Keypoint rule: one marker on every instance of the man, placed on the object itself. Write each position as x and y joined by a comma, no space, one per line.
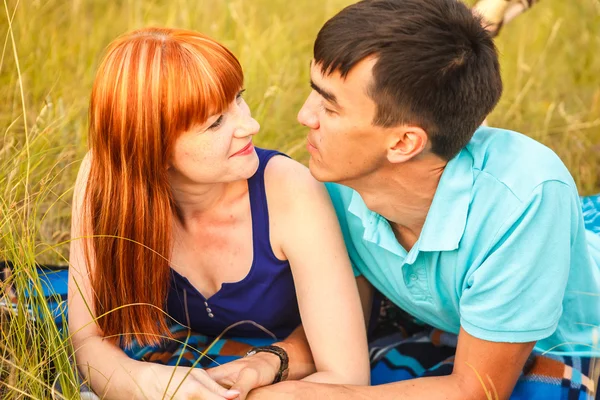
474,231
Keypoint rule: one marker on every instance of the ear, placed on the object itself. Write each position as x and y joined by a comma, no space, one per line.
169,165
406,142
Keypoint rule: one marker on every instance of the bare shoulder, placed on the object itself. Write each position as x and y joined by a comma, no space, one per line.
299,206
84,171
288,179
80,186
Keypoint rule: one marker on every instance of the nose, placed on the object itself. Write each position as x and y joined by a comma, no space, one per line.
248,126
307,115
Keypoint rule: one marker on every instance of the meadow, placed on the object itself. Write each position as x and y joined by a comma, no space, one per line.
49,53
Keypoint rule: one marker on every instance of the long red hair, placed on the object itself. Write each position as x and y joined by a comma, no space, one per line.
152,85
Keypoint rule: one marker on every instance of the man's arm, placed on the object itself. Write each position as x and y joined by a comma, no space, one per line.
481,368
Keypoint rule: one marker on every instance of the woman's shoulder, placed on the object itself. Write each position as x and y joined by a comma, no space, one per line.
83,174
289,183
286,172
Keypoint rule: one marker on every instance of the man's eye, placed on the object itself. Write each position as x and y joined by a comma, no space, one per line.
217,123
328,111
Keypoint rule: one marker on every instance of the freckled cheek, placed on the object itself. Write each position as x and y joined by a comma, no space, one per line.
186,152
208,150
190,158
194,156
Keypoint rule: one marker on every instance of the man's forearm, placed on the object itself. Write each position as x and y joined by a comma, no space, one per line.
443,387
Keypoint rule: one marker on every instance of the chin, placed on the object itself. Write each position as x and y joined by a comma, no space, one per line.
250,167
319,173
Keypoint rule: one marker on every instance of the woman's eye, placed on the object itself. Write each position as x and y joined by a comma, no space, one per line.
217,123
239,95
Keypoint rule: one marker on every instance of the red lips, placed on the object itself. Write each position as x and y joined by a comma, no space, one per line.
248,149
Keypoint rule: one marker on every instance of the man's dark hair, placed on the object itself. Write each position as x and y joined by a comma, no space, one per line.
436,66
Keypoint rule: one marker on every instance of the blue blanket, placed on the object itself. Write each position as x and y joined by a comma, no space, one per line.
405,351
591,212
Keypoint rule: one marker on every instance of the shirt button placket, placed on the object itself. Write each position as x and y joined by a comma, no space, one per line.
208,310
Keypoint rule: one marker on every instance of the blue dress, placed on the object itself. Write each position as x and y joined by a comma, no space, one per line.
266,295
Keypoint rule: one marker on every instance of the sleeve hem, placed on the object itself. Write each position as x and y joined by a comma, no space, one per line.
508,336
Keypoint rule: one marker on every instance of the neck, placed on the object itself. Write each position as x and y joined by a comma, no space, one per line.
195,201
403,193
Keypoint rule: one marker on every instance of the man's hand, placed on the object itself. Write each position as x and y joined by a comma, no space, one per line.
247,373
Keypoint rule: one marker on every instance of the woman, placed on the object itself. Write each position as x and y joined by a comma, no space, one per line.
189,219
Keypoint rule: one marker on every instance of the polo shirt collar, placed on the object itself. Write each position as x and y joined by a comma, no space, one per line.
376,229
445,222
447,217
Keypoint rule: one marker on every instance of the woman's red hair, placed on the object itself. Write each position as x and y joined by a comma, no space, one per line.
152,85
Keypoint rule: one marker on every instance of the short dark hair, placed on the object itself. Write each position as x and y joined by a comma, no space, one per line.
436,67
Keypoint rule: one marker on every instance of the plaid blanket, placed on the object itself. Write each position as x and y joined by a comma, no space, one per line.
53,283
591,212
394,357
194,350
400,347
431,353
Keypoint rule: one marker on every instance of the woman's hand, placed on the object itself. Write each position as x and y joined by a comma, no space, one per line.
248,373
155,381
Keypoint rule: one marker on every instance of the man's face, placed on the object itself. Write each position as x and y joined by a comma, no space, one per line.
343,144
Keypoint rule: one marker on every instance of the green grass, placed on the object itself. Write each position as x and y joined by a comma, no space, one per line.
550,65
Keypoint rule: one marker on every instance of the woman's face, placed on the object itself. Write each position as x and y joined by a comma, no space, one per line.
220,150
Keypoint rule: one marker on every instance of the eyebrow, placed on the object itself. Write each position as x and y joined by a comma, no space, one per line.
330,97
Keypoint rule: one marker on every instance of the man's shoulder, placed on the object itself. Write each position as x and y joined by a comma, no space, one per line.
515,161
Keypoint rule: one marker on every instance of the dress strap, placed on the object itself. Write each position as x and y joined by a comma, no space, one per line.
259,207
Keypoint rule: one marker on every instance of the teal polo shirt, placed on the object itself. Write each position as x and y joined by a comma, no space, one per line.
503,253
